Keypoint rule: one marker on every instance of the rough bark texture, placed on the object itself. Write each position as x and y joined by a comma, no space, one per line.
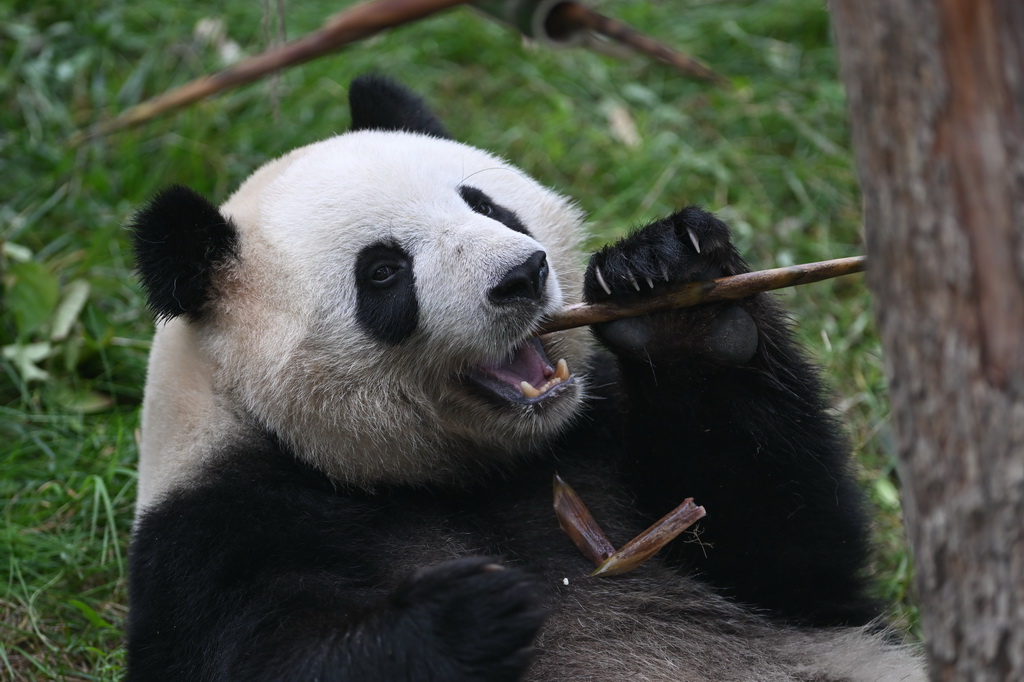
936,96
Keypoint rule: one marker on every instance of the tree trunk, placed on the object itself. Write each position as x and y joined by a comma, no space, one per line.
936,97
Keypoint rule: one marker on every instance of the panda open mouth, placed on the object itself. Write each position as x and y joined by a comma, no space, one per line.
525,377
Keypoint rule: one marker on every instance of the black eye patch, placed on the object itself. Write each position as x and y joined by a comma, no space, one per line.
484,205
386,304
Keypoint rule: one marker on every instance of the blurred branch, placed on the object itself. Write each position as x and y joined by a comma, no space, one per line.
573,14
552,22
355,23
559,23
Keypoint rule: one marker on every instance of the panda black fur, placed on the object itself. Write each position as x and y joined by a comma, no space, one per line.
341,480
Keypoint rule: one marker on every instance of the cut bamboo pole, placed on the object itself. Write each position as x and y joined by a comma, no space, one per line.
708,291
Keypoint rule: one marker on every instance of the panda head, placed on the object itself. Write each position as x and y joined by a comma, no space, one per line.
369,301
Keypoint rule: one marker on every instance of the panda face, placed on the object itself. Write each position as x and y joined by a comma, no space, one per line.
379,318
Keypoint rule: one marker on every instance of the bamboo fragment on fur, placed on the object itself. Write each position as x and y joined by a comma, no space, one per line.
641,548
576,521
579,524
708,291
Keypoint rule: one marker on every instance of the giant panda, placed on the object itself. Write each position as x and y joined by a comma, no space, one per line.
350,429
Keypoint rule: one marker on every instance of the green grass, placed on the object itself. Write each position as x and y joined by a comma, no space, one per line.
771,156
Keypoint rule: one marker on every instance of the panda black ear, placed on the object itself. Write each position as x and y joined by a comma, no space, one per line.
379,103
179,239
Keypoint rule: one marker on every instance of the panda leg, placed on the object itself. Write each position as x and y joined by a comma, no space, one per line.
722,406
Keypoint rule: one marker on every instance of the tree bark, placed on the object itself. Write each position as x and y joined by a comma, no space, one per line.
936,98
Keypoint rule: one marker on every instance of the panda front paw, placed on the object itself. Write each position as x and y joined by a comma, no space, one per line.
480,618
689,245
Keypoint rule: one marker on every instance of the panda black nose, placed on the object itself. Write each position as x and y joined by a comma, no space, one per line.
524,282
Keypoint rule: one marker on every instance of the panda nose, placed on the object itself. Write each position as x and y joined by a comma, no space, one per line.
524,282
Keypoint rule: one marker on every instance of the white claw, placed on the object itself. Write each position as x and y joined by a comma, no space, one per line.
693,239
664,272
632,279
600,280
650,282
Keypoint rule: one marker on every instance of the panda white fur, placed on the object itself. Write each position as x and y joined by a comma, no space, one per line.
343,478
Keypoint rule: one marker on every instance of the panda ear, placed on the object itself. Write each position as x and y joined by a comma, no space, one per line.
180,239
379,103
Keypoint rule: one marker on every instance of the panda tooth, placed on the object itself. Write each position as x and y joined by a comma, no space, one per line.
562,370
528,390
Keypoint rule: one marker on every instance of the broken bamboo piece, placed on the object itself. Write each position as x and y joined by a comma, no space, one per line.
577,522
645,545
707,291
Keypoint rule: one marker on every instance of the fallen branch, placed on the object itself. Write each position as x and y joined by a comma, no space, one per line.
708,291
575,519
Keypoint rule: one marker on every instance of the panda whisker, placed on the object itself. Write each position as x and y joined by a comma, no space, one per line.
502,169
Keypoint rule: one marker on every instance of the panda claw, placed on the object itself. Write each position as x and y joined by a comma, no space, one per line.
664,272
650,282
693,239
600,280
632,280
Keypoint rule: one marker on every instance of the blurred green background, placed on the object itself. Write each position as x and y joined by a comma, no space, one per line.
629,138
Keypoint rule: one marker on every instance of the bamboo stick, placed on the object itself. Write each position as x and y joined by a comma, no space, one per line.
708,291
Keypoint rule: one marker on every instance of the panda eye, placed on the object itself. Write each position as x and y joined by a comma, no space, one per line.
478,201
382,274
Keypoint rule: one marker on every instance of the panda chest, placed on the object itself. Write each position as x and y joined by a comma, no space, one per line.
514,523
